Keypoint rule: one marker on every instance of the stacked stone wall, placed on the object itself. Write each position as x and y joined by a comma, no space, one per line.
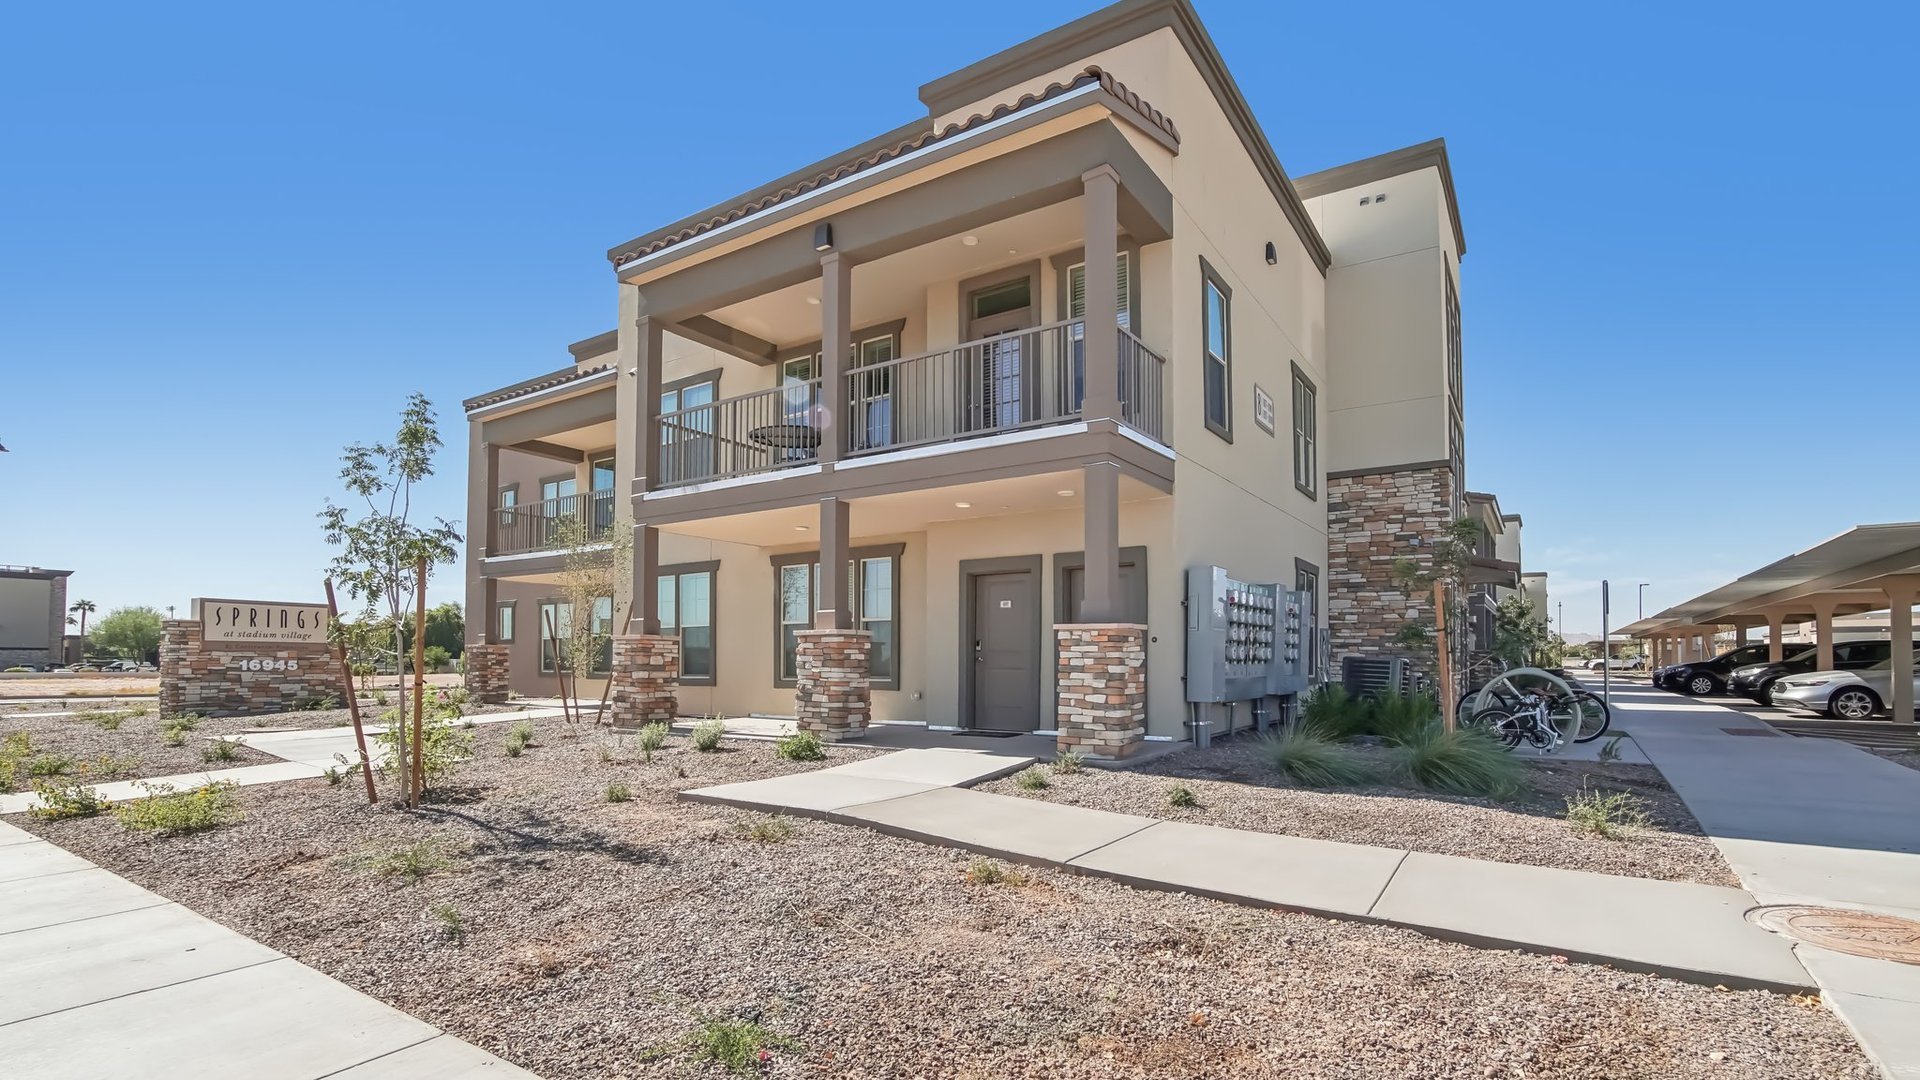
1373,521
242,679
646,680
833,695
1101,682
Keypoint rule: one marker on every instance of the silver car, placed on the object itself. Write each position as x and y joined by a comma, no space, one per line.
1843,695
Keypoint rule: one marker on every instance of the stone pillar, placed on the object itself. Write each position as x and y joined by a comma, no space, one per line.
832,696
646,680
487,673
1101,683
179,642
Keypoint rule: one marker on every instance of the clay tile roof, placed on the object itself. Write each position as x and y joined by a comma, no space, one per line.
535,385
1092,74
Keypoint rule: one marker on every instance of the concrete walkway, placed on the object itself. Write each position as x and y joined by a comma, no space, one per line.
1694,932
105,979
1803,821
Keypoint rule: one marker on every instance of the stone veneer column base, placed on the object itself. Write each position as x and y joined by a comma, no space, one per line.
1101,682
832,696
488,675
646,680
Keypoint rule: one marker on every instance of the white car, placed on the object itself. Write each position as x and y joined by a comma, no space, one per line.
1615,663
1843,695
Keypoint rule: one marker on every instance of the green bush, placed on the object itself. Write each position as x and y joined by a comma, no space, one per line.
1032,778
443,746
515,745
1401,718
45,765
801,746
652,737
109,721
1608,815
771,830
437,657
708,733
617,792
335,775
984,871
1181,797
523,730
1466,761
169,812
173,736
413,862
220,750
66,798
183,721
450,922
1333,711
1308,757
1068,762
736,1045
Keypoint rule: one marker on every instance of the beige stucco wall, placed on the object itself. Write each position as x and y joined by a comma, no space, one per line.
27,620
1535,588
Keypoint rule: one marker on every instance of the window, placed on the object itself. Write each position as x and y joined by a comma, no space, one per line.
1306,435
509,498
873,393
503,622
1306,579
873,595
686,611
556,622
558,487
1216,354
1077,291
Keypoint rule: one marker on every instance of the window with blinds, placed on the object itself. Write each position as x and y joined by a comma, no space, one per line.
1077,291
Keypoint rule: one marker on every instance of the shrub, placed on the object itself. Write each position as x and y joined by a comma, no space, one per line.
169,812
619,792
652,737
456,695
522,730
67,798
335,775
417,860
443,746
1181,797
1465,761
451,925
1307,756
50,765
220,750
1031,778
320,704
184,721
437,657
1608,815
173,736
109,721
515,744
1068,762
739,1046
708,733
1610,750
379,696
984,871
771,830
1335,712
1401,718
801,746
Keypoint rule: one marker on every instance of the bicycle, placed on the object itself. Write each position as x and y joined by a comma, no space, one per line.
1577,713
1532,721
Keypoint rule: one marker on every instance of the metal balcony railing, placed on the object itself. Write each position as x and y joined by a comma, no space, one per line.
542,526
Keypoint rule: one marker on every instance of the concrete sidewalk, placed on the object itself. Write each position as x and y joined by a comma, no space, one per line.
1694,932
106,979
1803,821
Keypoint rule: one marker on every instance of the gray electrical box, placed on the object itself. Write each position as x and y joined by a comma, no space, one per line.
1245,639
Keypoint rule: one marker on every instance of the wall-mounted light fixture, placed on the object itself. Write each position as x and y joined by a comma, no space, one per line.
823,237
1273,255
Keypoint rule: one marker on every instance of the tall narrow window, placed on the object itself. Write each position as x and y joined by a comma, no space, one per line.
686,611
556,623
1216,312
503,622
1306,431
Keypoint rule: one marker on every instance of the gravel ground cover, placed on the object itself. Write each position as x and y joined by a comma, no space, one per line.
134,749
1234,787
1909,758
79,685
586,938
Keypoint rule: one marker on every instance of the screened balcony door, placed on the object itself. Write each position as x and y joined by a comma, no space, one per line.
996,389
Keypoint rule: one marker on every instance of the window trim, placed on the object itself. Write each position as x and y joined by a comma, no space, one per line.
1209,277
513,630
540,640
1311,489
893,328
712,569
895,552
1063,264
1311,646
559,478
677,385
1136,593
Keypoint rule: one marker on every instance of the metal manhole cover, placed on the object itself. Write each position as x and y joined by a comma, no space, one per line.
1856,933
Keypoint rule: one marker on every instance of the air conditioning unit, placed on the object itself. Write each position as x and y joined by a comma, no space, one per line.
1367,675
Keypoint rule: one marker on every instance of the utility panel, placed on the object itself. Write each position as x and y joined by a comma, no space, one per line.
1245,639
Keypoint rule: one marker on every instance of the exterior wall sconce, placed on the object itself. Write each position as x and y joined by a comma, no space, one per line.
1273,256
823,237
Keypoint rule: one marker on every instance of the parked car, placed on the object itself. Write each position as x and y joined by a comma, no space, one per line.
1843,695
1757,680
1703,677
1616,663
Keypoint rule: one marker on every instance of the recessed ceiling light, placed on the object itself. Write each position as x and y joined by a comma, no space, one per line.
1064,493
964,506
799,528
969,240
814,300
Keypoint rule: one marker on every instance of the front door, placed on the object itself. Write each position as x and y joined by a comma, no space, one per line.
997,391
1006,663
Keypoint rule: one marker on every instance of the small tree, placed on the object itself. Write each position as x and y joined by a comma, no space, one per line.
82,608
380,549
595,559
130,632
1446,562
1522,640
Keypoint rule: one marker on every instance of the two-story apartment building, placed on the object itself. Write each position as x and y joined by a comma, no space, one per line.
936,429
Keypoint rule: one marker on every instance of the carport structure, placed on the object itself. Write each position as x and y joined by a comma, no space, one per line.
1866,568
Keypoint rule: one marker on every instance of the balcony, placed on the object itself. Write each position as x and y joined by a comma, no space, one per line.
544,525
1010,382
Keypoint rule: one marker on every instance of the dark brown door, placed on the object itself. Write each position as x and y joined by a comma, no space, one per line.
1006,659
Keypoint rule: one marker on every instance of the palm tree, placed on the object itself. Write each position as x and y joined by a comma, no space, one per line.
85,608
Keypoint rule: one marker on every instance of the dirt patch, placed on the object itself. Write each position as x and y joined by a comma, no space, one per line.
593,936
1233,786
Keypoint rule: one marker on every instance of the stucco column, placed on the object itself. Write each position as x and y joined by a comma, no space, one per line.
1901,594
1100,216
1739,634
1102,602
832,612
836,352
1823,630
1776,625
643,593
647,360
483,479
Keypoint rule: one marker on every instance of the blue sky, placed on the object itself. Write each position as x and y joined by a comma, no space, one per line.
234,237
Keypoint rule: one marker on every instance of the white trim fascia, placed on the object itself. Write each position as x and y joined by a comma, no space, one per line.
573,384
1149,442
543,554
733,482
915,453
864,176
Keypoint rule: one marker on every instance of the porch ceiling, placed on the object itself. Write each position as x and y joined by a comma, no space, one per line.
895,285
910,511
